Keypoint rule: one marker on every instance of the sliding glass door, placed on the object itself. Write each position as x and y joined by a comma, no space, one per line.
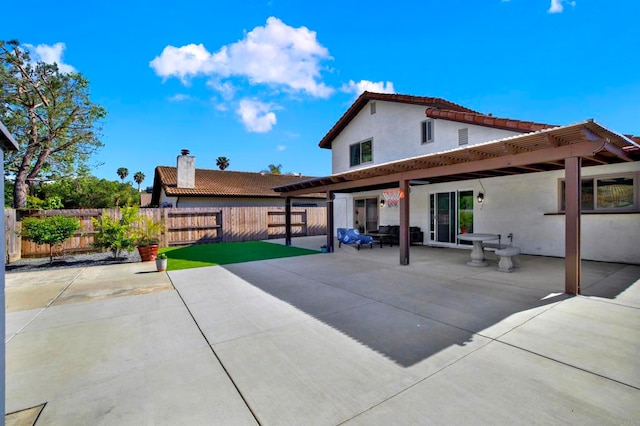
451,213
365,214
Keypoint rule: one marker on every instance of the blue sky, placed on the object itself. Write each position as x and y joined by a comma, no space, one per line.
262,82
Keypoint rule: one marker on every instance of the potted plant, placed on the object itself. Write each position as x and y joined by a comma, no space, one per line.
466,221
147,237
161,262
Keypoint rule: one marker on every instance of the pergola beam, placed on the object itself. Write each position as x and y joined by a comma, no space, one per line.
546,155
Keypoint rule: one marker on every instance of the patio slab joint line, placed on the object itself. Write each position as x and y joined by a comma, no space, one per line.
246,403
415,384
569,365
544,311
51,302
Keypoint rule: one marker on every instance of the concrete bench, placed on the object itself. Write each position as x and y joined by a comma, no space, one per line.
497,246
508,258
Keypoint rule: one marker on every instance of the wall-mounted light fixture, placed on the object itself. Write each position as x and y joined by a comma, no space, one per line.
480,197
382,203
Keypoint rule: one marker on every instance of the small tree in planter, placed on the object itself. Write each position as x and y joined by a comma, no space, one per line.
147,237
52,230
466,221
115,235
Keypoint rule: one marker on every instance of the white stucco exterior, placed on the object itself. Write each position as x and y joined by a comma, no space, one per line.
395,130
525,205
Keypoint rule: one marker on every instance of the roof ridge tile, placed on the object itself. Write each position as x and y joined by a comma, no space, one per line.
487,120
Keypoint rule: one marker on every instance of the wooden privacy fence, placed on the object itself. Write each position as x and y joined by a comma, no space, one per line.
182,226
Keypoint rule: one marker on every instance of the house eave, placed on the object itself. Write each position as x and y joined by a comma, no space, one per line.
540,151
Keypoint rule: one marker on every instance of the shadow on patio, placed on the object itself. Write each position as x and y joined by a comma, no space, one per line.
409,313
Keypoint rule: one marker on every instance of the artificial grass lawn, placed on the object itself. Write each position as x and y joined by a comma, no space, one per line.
198,256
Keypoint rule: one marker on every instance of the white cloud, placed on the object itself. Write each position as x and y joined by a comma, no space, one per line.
225,88
221,107
256,116
281,147
50,55
557,5
275,54
370,86
178,97
182,62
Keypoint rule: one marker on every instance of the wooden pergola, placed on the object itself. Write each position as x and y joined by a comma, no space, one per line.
567,147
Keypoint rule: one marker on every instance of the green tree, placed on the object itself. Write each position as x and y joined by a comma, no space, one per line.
52,230
273,169
222,162
89,192
123,172
139,178
8,193
49,203
50,115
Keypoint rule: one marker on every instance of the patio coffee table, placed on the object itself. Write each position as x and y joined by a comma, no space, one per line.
382,238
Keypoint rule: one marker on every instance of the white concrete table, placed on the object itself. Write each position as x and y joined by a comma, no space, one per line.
477,254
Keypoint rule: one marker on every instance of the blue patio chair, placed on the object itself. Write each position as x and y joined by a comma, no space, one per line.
352,236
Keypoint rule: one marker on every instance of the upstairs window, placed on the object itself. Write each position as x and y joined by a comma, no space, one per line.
606,193
426,131
360,153
463,136
372,107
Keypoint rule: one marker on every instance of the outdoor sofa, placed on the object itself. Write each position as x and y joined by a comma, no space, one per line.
416,236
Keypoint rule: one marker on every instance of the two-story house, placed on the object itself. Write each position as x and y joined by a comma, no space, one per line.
496,175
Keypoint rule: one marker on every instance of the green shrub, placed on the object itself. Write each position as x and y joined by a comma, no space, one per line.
52,230
116,235
147,231
49,203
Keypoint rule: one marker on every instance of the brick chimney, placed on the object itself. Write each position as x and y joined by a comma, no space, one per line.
186,170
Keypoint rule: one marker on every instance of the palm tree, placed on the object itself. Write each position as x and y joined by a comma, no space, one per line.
222,163
138,177
273,169
123,172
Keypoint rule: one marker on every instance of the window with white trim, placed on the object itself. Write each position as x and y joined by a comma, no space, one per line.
372,107
360,153
426,131
606,193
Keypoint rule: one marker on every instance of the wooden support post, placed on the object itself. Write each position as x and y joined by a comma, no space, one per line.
404,223
287,221
330,197
573,207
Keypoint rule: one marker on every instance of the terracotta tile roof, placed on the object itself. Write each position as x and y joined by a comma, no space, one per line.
218,183
487,120
636,139
365,97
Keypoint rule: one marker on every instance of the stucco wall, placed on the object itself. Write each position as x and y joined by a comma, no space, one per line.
527,206
396,132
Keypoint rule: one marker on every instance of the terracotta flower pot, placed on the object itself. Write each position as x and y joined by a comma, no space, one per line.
148,253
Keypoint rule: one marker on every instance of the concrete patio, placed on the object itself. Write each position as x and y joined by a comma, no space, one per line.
344,338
